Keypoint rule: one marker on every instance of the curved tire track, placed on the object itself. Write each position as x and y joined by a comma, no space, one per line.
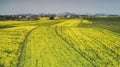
74,48
23,46
25,40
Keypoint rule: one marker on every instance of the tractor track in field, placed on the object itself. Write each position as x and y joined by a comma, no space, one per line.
25,40
74,48
106,47
23,46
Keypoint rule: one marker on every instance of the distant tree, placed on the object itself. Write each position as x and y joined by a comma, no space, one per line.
51,18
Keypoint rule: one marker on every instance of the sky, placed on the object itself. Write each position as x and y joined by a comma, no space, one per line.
8,7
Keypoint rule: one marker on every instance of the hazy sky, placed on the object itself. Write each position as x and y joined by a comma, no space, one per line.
59,6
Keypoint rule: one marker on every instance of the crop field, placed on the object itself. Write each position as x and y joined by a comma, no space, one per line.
109,23
10,40
59,43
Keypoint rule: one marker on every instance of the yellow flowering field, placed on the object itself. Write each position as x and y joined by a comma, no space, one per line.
57,43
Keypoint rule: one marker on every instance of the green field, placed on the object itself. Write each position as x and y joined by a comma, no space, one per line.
109,23
60,43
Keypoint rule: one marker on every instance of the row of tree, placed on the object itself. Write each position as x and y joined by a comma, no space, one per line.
18,17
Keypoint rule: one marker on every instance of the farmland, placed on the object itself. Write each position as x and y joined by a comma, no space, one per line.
59,43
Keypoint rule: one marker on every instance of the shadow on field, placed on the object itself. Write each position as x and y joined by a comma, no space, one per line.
6,26
86,25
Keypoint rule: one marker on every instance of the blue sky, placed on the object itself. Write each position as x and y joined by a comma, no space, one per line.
59,6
